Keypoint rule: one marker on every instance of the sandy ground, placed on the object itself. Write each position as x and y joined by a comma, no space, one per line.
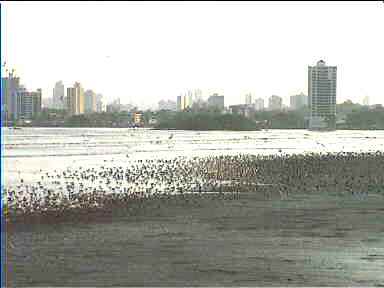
305,240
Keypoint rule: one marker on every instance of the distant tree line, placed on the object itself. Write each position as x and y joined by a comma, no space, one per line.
349,116
365,119
205,121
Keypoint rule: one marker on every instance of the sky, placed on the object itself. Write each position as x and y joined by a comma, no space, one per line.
142,52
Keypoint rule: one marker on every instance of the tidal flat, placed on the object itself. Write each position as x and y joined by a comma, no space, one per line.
331,239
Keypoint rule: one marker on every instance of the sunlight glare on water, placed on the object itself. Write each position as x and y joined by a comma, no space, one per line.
30,149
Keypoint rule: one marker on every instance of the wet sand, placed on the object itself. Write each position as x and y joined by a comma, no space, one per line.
320,239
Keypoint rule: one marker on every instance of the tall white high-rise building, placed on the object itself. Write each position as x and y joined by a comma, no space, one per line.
366,101
322,95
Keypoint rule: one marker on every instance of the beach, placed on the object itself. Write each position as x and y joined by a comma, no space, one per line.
289,227
307,240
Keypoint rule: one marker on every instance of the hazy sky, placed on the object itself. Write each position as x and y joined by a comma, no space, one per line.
146,51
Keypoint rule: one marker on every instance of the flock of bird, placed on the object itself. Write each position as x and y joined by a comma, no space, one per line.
107,185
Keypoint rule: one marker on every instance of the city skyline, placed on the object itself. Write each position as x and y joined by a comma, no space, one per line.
194,46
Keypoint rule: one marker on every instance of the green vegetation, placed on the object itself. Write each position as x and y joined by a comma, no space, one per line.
366,119
115,119
52,117
348,107
282,120
49,114
206,121
349,116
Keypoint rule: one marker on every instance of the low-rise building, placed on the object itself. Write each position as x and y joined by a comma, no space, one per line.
298,101
216,101
29,103
167,105
248,99
242,109
275,103
137,118
259,104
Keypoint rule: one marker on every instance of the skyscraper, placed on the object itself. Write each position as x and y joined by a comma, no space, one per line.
184,101
189,99
75,99
248,99
90,102
178,103
71,101
29,103
37,102
18,102
58,95
100,107
322,95
10,85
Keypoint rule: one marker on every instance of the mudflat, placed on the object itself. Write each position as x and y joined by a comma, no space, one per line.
329,238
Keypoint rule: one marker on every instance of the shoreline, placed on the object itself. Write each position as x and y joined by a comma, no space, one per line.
175,129
134,208
148,207
224,176
300,228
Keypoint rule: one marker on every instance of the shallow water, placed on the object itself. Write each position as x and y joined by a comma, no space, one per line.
303,240
30,149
